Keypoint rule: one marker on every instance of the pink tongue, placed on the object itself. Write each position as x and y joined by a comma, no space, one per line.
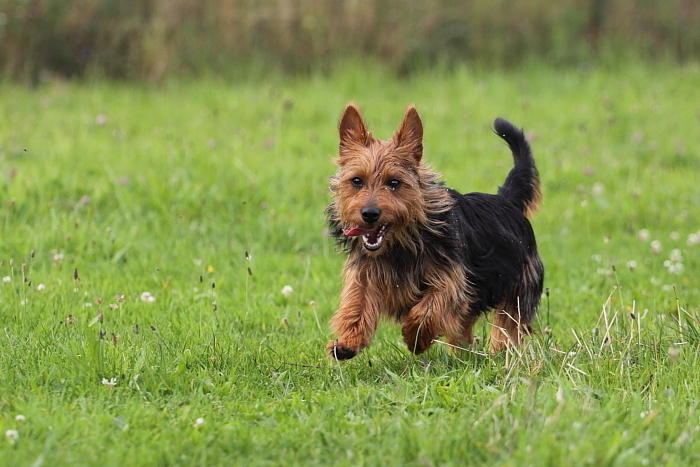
355,231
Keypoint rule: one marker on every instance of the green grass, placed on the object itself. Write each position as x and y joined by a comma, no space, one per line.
169,193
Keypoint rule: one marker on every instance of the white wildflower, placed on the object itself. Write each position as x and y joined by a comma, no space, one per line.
111,382
597,189
656,247
597,258
199,422
676,255
41,287
147,297
674,268
20,418
694,238
12,436
674,263
58,256
7,279
287,290
643,235
632,264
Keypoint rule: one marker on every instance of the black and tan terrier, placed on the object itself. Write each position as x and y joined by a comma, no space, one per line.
423,254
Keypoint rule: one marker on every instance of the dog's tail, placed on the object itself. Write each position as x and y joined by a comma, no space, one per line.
522,186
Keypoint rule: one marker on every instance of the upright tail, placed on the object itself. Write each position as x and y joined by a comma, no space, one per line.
522,185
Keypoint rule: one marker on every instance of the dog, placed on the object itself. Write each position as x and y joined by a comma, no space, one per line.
423,254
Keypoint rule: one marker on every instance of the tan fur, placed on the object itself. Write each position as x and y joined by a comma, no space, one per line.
372,290
376,161
533,205
439,311
429,302
466,338
508,329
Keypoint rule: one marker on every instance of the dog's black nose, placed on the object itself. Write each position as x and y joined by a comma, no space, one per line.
370,214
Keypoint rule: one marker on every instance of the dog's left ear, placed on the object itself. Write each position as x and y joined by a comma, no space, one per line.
409,137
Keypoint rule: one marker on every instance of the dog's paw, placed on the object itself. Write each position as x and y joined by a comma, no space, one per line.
416,347
417,341
338,352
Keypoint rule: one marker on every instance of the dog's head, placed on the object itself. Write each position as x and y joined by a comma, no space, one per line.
378,191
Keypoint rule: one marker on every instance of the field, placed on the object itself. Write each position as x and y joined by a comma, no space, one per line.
147,234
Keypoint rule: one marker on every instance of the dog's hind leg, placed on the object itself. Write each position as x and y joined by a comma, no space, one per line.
511,321
510,324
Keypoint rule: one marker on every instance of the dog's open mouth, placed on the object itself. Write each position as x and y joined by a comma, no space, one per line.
371,238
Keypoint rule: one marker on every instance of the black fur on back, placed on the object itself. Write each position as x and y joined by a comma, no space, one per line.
498,248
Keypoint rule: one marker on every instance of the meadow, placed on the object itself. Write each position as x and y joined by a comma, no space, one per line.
147,235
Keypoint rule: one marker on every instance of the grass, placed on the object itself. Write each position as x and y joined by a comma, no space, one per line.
209,196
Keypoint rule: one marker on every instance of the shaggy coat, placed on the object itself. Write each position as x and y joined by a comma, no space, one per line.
425,255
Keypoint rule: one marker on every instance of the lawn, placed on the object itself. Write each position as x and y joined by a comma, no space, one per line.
146,235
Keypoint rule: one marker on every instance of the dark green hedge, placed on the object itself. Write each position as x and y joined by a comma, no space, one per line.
152,39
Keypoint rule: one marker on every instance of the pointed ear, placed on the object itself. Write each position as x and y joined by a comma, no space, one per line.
352,129
409,137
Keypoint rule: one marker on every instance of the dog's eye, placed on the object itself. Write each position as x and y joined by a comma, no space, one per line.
356,182
393,183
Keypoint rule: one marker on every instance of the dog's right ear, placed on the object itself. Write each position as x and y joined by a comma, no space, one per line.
352,129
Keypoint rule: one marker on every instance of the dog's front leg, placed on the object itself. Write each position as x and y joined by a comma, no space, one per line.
422,324
355,321
437,314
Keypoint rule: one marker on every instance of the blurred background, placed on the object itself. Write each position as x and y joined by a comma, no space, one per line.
154,40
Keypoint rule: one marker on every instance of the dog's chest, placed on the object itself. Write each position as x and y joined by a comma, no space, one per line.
397,289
